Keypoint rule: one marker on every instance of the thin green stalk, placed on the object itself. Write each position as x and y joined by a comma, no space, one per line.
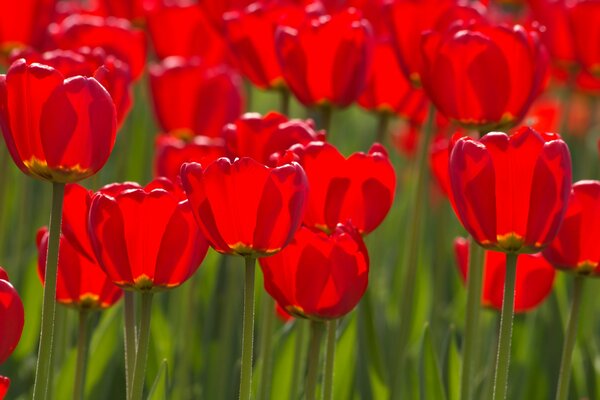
130,338
299,359
248,331
316,333
266,345
329,360
284,101
506,322
326,116
42,371
474,282
141,356
562,390
82,353
383,123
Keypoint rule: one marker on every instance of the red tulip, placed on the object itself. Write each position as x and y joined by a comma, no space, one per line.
244,207
182,29
251,35
283,315
511,192
11,317
557,34
81,282
326,60
584,16
258,137
535,277
133,10
215,9
193,97
4,384
483,76
359,189
57,129
115,35
145,238
23,23
173,151
319,276
575,248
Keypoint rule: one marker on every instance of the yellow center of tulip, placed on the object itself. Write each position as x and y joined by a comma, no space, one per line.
40,169
510,242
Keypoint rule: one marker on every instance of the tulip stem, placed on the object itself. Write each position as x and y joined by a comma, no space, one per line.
82,353
383,123
316,333
130,338
42,371
248,331
474,282
141,355
284,101
266,345
329,360
326,116
301,328
506,322
562,390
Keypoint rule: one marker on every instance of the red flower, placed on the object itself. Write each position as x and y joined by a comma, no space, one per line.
575,247
215,9
23,23
12,317
283,315
251,35
115,35
481,75
584,16
57,129
319,276
173,151
511,192
4,384
133,10
326,59
182,29
244,207
259,137
81,282
145,238
557,34
359,189
535,277
193,97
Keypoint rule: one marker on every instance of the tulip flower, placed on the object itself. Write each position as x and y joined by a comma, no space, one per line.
24,23
11,317
258,137
195,98
216,9
4,385
133,10
583,17
115,35
535,277
483,76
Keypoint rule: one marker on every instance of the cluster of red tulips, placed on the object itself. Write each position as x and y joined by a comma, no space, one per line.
273,188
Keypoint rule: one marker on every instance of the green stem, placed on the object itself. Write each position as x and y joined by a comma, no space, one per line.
301,327
329,360
284,101
474,282
82,353
248,331
130,338
316,333
562,389
326,116
506,322
42,371
383,123
141,356
266,345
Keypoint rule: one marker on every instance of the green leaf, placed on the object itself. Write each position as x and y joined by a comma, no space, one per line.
160,387
431,378
453,368
345,362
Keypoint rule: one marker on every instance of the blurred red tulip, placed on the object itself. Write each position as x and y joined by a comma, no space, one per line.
173,151
145,238
319,276
4,385
251,35
575,248
511,192
12,317
584,16
23,23
215,9
258,137
57,129
483,76
193,97
133,10
244,207
326,60
81,284
115,35
439,156
535,277
359,189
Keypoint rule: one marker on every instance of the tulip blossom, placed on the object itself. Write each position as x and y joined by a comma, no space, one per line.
483,76
319,276
11,317
511,192
584,16
258,137
244,207
24,23
535,277
326,59
195,98
56,128
4,385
